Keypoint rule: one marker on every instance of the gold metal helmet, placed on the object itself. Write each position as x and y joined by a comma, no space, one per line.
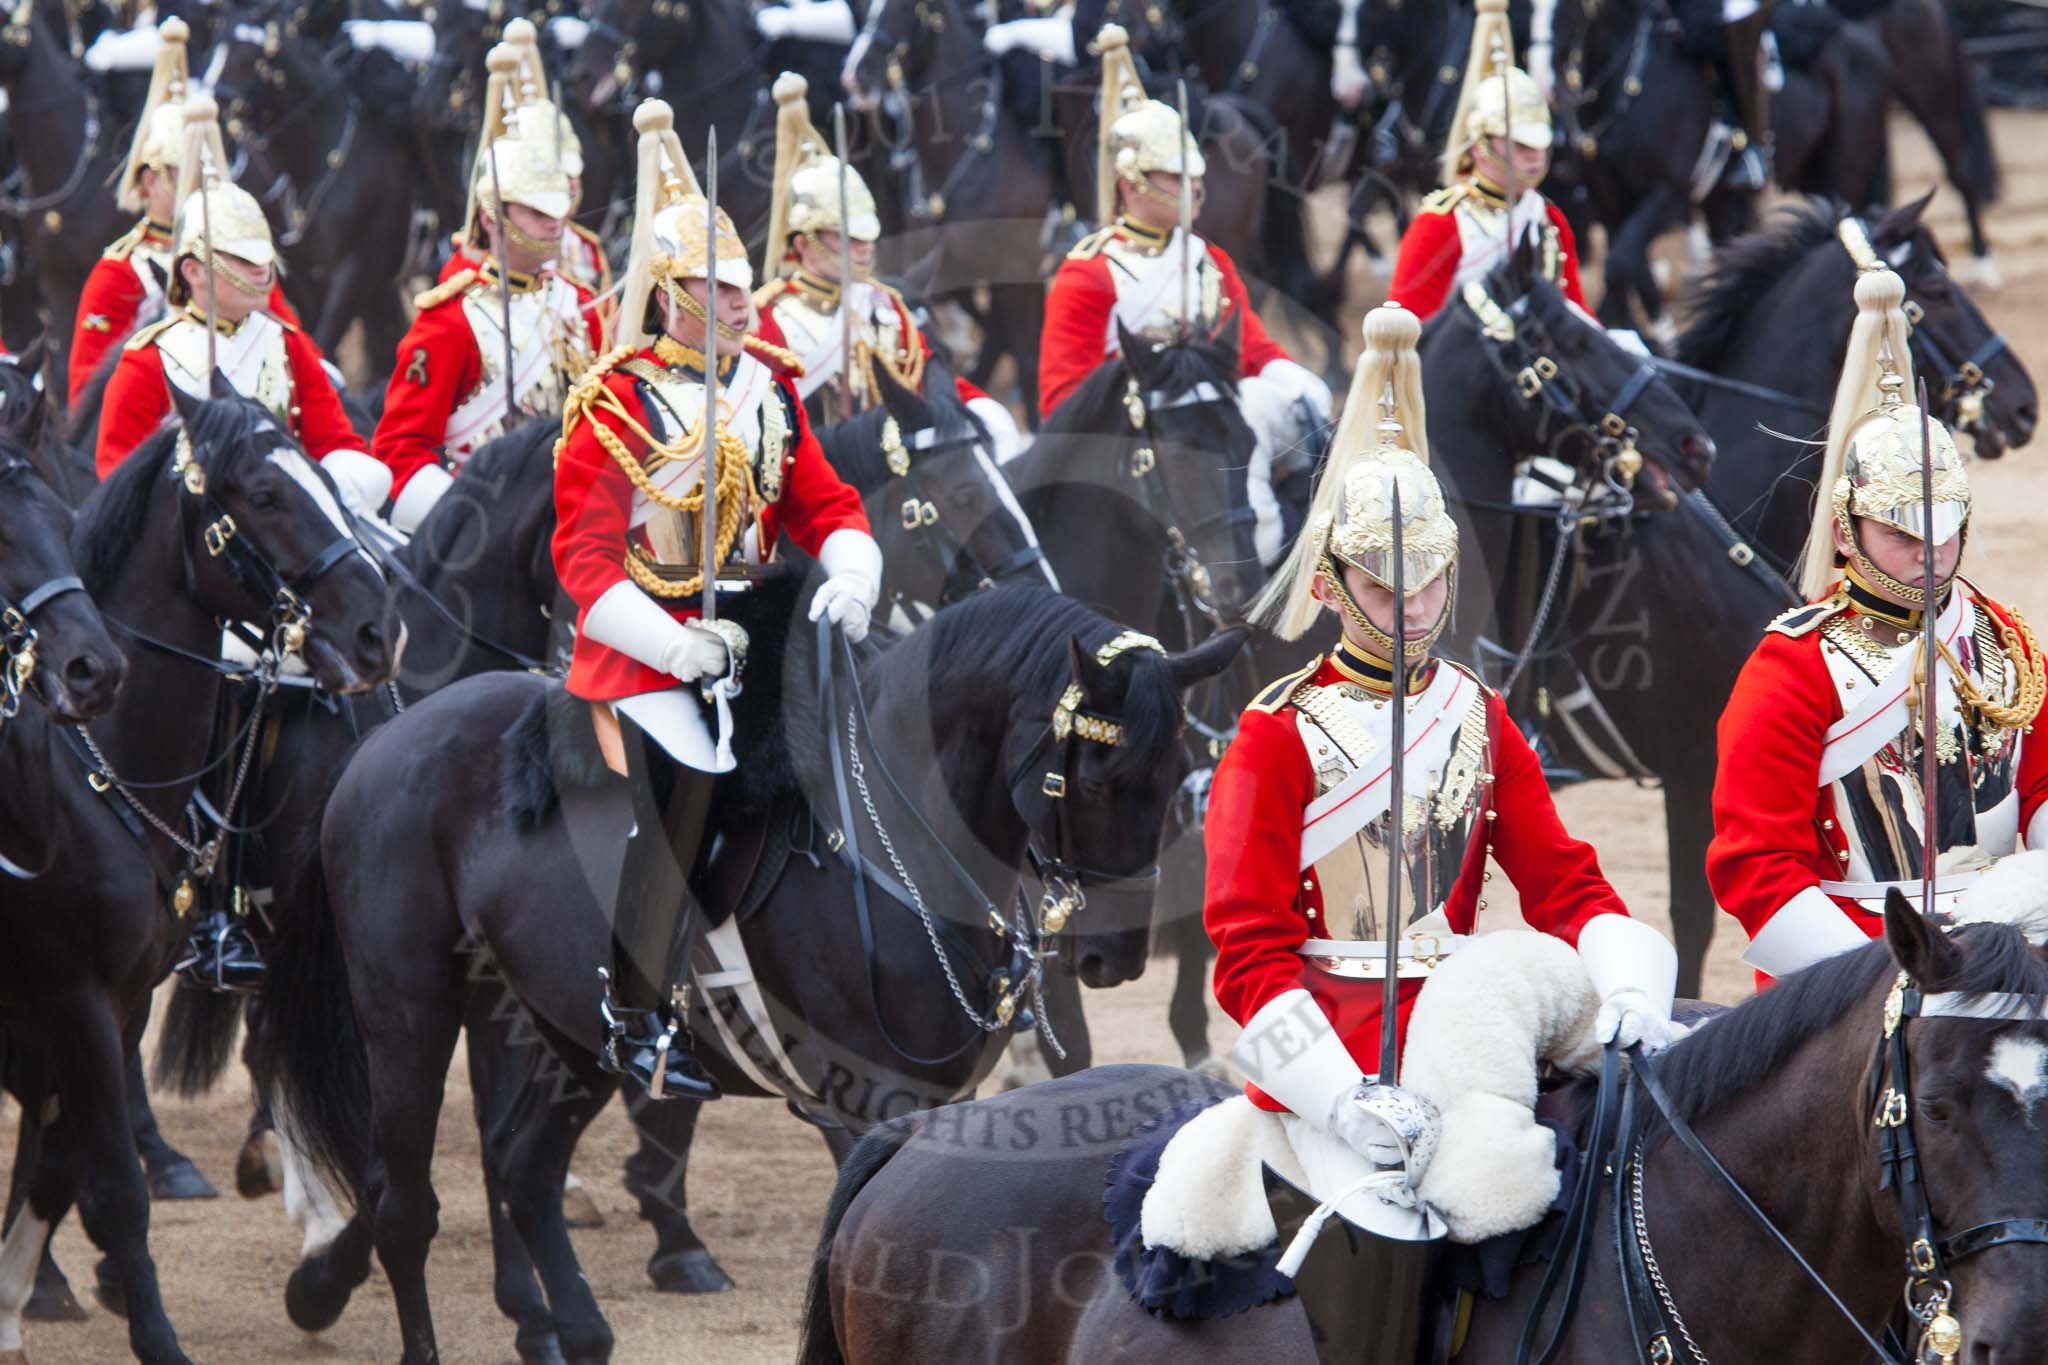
530,92
1135,135
1880,479
806,190
530,156
1498,98
680,250
160,130
1361,533
213,210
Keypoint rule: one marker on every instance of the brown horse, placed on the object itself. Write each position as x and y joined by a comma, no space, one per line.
976,1231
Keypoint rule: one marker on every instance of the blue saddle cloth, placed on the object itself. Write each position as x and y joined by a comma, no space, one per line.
1164,1281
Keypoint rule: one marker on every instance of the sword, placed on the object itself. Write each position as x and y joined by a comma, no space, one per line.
1187,219
504,274
707,517
1930,764
1397,838
212,280
1507,155
845,272
560,114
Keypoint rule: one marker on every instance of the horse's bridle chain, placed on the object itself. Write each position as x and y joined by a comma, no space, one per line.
1656,1272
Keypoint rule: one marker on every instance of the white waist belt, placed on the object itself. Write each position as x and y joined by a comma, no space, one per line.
1366,959
1871,895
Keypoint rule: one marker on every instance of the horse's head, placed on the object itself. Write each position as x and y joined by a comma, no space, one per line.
625,38
1976,381
1189,466
1578,395
892,49
26,45
450,92
265,542
1097,795
24,408
52,635
1970,1032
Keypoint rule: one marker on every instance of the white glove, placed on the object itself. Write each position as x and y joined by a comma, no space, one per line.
853,581
773,21
819,21
1348,82
1629,1017
1050,36
1006,442
1366,1133
1298,381
364,482
418,497
695,653
1634,971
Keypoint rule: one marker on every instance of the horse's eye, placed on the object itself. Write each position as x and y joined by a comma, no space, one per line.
1934,1111
263,500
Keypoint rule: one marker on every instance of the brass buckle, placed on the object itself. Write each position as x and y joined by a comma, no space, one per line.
1430,957
1914,313
99,781
1970,375
1660,1350
1742,554
1891,1110
918,513
1055,785
219,534
1921,1256
1535,375
14,621
1143,461
1614,425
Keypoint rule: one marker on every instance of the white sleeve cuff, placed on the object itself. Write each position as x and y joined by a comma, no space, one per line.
1298,381
850,553
1624,954
2037,829
1804,930
1003,436
1050,37
823,21
421,492
365,482
1289,1050
628,620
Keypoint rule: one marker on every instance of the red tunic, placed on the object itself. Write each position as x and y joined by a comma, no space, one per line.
438,368
594,506
139,396
1776,830
1077,313
1258,901
769,330
1426,266
112,298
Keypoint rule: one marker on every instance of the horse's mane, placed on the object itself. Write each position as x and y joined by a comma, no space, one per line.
1746,269
1736,1052
1179,366
1019,633
111,521
854,448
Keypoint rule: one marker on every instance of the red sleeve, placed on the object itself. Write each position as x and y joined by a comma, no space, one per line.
1771,735
323,426
593,319
279,306
137,398
1251,903
437,366
1426,264
594,505
815,501
1568,248
767,328
1070,345
1255,349
1558,877
106,315
2032,778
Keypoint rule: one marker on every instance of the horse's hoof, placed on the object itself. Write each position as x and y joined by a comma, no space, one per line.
52,1303
178,1178
259,1169
541,1350
579,1209
688,1272
310,1305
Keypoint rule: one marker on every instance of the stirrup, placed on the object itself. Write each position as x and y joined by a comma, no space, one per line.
221,956
654,1047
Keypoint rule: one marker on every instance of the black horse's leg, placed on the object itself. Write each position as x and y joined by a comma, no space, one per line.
52,1299
171,1173
1629,278
1020,312
46,1177
1188,1011
1688,827
410,1045
502,1108
86,1052
657,1175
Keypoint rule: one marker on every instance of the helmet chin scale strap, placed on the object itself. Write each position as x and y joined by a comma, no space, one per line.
687,301
1418,647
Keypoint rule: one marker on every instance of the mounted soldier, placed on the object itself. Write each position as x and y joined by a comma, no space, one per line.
639,519
821,223
1819,801
1147,273
126,286
1497,154
512,315
221,271
1297,899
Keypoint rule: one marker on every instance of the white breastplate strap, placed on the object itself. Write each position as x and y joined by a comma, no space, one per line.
1432,731
253,360
1148,288
542,332
1876,717
739,1015
1482,240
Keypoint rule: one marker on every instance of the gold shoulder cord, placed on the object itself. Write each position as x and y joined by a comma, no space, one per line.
907,369
2023,656
730,467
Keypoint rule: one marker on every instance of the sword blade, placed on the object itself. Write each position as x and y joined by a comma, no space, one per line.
1187,218
707,519
1930,763
845,271
504,217
1397,839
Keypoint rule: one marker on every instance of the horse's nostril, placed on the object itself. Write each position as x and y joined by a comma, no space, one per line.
370,639
82,671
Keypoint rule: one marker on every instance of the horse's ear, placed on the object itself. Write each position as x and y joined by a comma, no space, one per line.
219,387
187,405
1230,338
1917,944
1526,261
1208,658
1133,347
32,355
1087,672
1902,221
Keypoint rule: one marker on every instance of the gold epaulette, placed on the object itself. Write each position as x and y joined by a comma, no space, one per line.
124,245
146,336
1445,199
589,235
1280,691
1092,244
767,293
445,290
1807,617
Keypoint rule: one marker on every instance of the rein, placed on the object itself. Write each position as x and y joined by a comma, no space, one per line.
921,513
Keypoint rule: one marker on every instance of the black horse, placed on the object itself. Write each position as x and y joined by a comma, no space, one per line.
865,1023
938,1246
219,519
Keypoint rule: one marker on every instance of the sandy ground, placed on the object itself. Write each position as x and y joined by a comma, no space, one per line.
760,1179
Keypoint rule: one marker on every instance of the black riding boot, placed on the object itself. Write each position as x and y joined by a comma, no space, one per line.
220,952
655,923
1751,167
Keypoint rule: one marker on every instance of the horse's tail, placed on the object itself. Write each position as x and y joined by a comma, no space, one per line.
1976,171
307,1045
819,1344
197,1041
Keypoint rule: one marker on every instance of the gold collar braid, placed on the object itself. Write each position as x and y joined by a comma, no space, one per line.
730,464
